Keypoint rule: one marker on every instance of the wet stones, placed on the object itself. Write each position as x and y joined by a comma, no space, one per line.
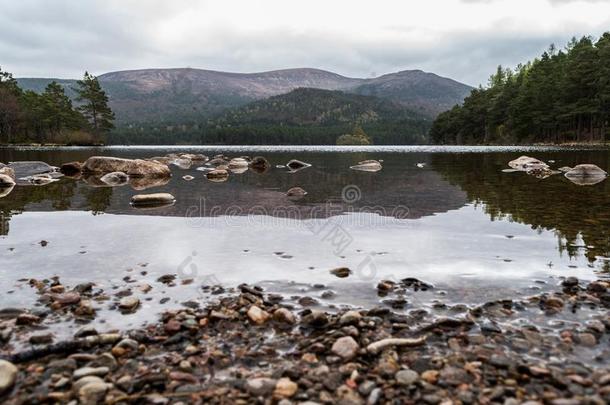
7,177
8,375
260,386
350,318
71,169
383,344
285,388
115,179
406,377
341,272
129,304
257,315
217,175
259,164
346,348
283,315
315,318
295,165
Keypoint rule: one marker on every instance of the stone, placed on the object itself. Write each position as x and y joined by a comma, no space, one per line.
587,339
586,170
296,193
7,177
406,377
285,388
217,175
430,376
526,163
259,164
71,168
93,393
154,199
68,298
131,167
8,375
129,303
341,272
315,319
257,315
346,348
260,386
570,282
31,168
284,315
296,165
350,318
367,166
188,177
115,179
238,163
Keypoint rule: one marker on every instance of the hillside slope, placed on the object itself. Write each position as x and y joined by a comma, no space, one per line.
192,95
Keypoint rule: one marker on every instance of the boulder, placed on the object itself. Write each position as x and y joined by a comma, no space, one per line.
7,177
259,164
217,175
367,166
182,163
31,168
71,168
527,163
296,165
238,163
115,179
155,199
196,157
131,167
586,175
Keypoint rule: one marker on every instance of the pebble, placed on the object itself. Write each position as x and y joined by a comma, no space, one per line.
8,375
284,315
88,371
257,315
341,272
285,388
406,377
260,386
346,348
350,318
129,303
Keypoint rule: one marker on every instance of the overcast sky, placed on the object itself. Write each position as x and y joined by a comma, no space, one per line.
461,39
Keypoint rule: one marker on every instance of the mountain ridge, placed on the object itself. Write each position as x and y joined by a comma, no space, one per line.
179,95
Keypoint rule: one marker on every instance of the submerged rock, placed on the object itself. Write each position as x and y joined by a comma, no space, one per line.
341,272
39,179
296,165
259,164
217,175
182,163
31,168
131,167
367,166
296,193
196,157
115,179
71,168
586,174
238,163
155,199
188,177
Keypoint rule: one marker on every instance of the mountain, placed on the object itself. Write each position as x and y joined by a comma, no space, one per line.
315,107
192,95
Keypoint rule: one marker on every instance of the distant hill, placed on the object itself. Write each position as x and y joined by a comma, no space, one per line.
192,95
315,107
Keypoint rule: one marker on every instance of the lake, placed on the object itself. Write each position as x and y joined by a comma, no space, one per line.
448,216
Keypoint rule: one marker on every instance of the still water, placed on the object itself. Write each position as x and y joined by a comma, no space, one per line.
447,216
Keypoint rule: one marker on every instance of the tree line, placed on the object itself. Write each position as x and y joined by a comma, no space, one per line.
51,117
562,96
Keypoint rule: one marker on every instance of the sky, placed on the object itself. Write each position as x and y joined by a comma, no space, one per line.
462,39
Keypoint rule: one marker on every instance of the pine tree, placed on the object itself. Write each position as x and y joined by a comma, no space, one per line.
95,104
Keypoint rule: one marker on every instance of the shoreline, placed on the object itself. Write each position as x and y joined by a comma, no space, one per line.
247,346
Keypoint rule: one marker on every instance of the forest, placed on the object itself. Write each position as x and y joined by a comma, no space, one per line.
561,97
50,117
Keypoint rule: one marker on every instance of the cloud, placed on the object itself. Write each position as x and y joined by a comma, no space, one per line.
462,39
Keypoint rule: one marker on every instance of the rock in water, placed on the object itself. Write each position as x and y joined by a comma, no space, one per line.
524,163
341,272
182,163
156,199
132,167
367,166
71,168
259,164
237,163
296,165
296,193
7,176
8,375
586,174
115,179
129,303
217,175
25,169
257,315
188,177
